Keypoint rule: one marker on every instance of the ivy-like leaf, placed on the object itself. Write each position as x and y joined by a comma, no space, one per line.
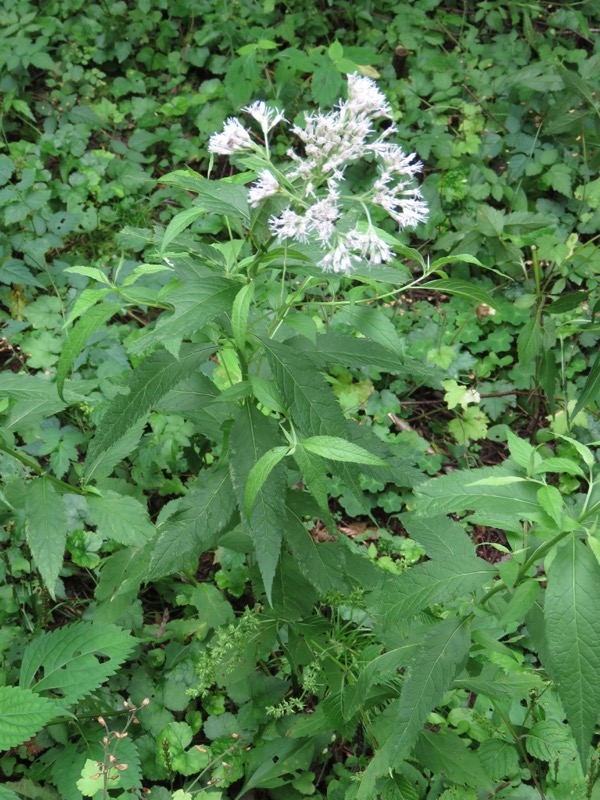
202,514
22,714
572,631
46,529
148,384
73,661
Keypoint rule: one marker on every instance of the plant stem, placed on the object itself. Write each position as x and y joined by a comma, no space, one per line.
37,468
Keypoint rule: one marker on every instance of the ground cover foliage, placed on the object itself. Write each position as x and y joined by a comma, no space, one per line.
271,532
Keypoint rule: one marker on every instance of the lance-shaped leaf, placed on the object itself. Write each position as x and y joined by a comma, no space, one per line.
148,384
462,491
462,288
425,584
46,529
22,714
572,631
591,388
260,485
200,298
337,449
74,660
120,518
439,536
311,402
178,224
78,336
259,474
202,514
239,314
430,673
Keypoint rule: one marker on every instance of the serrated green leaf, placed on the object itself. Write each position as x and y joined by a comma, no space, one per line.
550,499
314,477
202,514
461,288
336,449
499,758
89,272
253,436
200,298
439,536
351,351
555,464
143,269
425,584
267,394
67,661
22,714
87,299
46,529
217,197
103,464
447,754
313,406
373,324
82,330
529,342
148,384
6,794
239,314
317,562
522,452
549,740
460,491
178,224
572,631
259,474
430,673
591,388
120,518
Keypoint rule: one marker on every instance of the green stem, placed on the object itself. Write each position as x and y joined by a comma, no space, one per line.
31,464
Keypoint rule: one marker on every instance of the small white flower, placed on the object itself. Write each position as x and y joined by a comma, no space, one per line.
232,139
338,259
405,206
289,225
265,186
322,216
370,246
364,97
266,117
395,159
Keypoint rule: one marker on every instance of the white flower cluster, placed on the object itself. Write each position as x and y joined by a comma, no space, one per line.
313,185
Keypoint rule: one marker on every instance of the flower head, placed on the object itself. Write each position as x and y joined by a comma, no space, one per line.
364,97
234,138
265,186
266,117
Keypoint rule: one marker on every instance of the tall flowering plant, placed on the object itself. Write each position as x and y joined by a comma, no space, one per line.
252,329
